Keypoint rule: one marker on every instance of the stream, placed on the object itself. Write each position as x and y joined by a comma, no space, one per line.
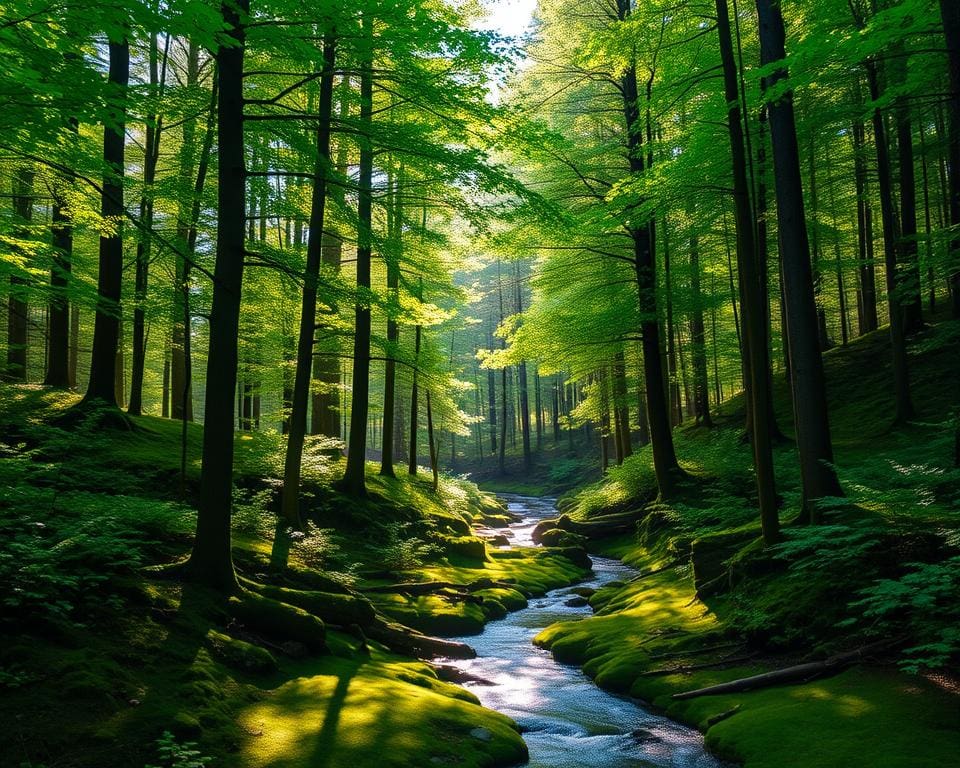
566,720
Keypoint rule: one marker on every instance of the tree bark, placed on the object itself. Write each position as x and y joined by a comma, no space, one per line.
151,153
300,400
806,364
950,13
211,560
903,405
395,215
353,479
17,308
751,300
106,332
665,463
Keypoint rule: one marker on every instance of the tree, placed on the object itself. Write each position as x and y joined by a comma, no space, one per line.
814,445
103,363
211,560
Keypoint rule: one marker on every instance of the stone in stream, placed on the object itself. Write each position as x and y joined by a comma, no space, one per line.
576,602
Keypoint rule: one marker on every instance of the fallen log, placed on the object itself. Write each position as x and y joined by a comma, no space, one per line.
429,587
804,672
412,643
681,668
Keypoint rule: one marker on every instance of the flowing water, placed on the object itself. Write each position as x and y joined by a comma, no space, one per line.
566,720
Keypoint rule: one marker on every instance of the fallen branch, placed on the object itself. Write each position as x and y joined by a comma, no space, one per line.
655,571
804,672
694,667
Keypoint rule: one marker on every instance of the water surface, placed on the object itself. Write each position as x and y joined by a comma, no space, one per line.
566,720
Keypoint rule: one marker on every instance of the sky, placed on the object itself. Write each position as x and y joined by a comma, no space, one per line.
509,17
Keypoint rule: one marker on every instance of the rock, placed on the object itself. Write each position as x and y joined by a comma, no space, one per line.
294,649
576,602
482,734
499,540
644,736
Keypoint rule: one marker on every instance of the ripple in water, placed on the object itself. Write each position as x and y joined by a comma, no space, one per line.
566,720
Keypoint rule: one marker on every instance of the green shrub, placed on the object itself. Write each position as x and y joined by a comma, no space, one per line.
173,754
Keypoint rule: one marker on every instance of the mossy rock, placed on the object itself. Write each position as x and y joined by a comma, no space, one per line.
511,599
342,609
280,621
469,547
240,654
711,555
557,537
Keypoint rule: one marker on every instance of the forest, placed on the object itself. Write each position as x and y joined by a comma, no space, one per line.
480,383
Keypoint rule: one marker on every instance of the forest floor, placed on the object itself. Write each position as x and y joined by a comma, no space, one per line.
103,649
714,607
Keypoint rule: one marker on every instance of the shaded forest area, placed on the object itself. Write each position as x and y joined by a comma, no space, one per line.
291,290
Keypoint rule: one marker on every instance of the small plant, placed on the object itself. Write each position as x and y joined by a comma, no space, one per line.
173,754
402,552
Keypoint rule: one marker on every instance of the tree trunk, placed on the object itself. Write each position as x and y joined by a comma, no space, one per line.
867,296
58,360
903,408
151,153
395,214
181,398
211,559
353,479
701,385
909,266
522,386
414,406
17,309
665,463
751,299
106,332
950,13
433,445
806,365
300,400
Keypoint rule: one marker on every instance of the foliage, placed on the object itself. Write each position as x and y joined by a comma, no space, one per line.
921,602
176,754
402,551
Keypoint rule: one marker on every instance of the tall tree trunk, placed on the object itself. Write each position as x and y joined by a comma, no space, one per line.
151,154
909,267
867,294
17,309
806,365
620,405
395,215
492,398
325,400
538,407
181,399
555,407
522,386
300,400
505,397
903,405
211,560
701,385
58,360
665,463
950,13
414,405
433,446
353,479
106,331
751,298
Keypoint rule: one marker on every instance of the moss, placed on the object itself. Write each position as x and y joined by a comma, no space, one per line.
467,547
240,654
279,620
383,713
342,609
435,614
556,537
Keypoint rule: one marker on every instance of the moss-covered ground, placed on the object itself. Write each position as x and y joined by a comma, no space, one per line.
712,606
103,648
